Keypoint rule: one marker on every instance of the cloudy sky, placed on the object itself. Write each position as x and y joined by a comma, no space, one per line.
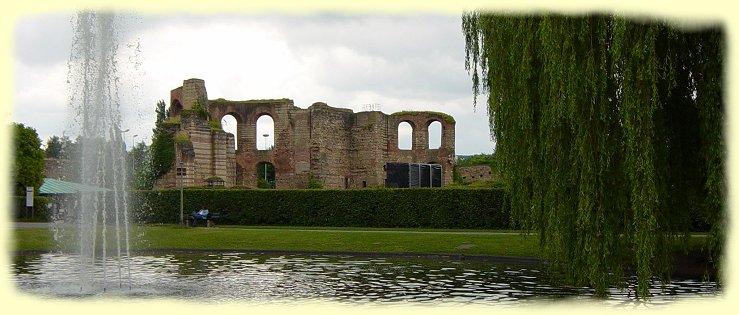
400,62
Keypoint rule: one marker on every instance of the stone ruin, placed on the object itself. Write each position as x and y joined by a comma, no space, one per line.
335,146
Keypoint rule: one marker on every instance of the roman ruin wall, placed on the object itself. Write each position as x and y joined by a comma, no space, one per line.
335,146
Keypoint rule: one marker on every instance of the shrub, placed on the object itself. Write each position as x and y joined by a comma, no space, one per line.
181,137
314,183
40,209
262,183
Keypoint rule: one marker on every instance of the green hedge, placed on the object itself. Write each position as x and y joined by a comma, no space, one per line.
40,211
419,207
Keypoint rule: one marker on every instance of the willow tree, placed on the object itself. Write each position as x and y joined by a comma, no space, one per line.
609,135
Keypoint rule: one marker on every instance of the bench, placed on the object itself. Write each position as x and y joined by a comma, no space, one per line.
209,221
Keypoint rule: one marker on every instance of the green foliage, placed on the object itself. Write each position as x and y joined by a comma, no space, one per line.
28,163
608,136
473,160
478,159
261,101
262,183
200,108
139,160
181,137
162,113
53,147
171,122
314,183
215,125
162,153
40,210
408,207
269,168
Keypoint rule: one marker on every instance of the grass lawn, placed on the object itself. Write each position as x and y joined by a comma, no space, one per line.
324,239
309,239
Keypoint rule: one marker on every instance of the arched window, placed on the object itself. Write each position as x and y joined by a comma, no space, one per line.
228,124
434,132
265,133
265,175
405,136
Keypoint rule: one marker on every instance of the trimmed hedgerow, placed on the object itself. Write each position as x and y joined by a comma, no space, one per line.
413,208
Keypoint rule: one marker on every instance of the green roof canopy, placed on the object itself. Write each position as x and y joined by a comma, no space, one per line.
54,187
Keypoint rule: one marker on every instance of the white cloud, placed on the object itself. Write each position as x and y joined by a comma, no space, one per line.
40,98
399,62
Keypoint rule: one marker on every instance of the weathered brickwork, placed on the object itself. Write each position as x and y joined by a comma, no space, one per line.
336,146
475,172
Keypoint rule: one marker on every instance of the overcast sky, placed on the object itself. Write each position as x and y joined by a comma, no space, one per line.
401,62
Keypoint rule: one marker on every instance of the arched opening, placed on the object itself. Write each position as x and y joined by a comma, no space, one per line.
405,136
228,124
265,175
175,109
265,132
434,135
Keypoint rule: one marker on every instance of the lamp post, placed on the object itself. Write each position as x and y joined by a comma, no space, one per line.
265,147
122,132
133,158
180,173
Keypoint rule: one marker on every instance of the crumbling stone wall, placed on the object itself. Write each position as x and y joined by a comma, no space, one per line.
336,146
475,172
205,153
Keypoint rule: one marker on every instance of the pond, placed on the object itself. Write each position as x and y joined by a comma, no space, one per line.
265,278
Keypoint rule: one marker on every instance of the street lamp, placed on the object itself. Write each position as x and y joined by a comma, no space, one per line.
265,147
133,158
180,173
122,132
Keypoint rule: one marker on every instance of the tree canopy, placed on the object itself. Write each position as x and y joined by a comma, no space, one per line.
62,147
28,165
161,152
139,161
609,136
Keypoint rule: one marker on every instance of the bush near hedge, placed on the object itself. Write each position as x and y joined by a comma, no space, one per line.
461,208
40,210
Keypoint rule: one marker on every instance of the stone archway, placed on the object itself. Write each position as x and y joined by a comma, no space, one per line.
175,109
230,124
265,131
406,130
434,134
266,176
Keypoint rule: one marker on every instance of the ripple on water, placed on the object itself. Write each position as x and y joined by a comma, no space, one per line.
254,277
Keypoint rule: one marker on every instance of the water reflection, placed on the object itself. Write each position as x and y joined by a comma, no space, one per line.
254,277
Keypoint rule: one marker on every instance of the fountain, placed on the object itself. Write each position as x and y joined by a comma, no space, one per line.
102,224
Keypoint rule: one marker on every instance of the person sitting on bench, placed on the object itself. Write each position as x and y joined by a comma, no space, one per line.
201,214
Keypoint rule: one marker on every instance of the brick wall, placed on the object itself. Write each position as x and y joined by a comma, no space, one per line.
475,172
338,147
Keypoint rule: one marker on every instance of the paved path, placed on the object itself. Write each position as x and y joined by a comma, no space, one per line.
30,225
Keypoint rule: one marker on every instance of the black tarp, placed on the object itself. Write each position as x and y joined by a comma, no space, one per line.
403,175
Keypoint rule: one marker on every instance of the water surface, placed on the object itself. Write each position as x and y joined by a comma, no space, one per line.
262,278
